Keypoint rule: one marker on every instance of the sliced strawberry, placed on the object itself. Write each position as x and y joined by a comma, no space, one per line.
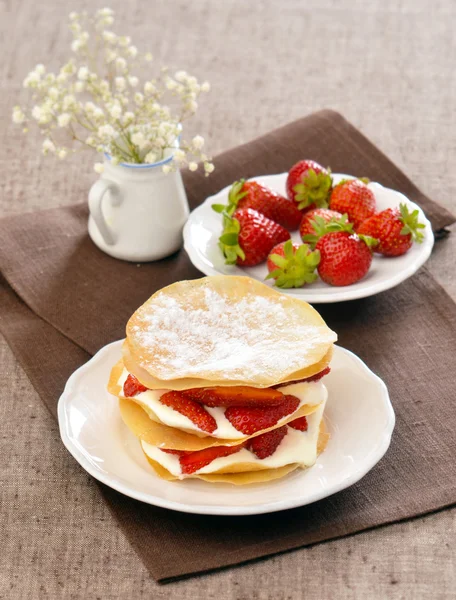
300,424
250,420
190,409
310,379
177,452
236,396
266,444
133,386
194,461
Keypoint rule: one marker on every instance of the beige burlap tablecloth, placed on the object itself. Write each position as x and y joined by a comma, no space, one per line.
70,564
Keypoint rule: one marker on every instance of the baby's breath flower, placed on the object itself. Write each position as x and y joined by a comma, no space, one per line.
124,40
121,84
109,36
106,131
64,119
179,155
150,158
76,45
198,142
129,118
18,115
98,167
121,63
36,112
83,73
205,87
115,111
139,99
48,146
138,139
110,56
166,169
149,88
53,93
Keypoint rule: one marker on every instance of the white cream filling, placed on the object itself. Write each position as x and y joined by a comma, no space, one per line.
296,447
308,393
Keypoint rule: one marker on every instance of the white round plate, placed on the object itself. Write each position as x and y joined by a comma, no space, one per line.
203,228
359,416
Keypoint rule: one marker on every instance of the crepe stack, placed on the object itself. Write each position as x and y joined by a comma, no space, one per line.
221,379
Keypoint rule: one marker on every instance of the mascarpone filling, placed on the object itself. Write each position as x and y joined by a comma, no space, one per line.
296,447
312,393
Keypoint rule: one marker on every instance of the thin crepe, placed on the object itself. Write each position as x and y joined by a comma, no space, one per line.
226,329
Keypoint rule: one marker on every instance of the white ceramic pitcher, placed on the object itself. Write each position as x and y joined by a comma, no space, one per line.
137,212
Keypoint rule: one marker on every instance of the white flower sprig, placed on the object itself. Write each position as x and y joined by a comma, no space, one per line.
98,101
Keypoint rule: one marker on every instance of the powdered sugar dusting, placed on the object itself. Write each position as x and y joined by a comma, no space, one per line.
239,339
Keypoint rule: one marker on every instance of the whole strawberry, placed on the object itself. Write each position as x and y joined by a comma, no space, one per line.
354,198
344,258
248,237
395,229
313,218
309,184
292,265
250,194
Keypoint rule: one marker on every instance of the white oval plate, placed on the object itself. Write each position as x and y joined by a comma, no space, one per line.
359,416
203,228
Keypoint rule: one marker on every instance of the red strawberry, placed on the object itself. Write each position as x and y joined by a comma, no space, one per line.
250,194
395,228
345,258
317,215
133,386
292,265
178,452
190,409
309,184
266,444
236,396
249,236
354,198
250,420
299,424
194,461
310,379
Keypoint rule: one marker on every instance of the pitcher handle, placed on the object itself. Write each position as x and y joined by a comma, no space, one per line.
96,195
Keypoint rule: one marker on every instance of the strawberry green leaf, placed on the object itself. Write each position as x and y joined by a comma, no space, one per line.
219,208
314,188
322,227
368,240
229,239
294,270
411,223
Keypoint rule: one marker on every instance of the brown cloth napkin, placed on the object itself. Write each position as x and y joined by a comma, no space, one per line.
62,299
